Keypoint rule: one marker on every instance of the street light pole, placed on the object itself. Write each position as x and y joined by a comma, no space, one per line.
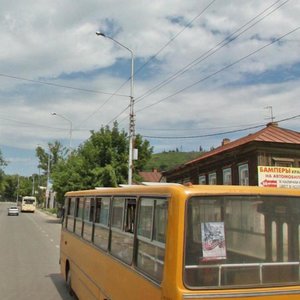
71,128
47,196
48,184
131,109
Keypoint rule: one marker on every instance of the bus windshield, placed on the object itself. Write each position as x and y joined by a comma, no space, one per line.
29,201
241,241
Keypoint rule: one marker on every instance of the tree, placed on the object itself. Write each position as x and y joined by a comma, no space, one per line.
100,161
56,152
20,185
144,153
3,163
69,175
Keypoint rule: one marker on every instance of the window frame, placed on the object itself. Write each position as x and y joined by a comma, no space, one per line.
243,168
221,266
119,233
202,179
225,172
105,228
151,244
212,178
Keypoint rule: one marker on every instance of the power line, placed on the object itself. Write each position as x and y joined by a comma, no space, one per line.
197,129
215,134
147,62
229,39
60,85
200,136
220,70
115,118
106,101
174,37
210,52
28,125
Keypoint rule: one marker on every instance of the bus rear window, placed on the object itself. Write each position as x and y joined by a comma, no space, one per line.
242,241
29,201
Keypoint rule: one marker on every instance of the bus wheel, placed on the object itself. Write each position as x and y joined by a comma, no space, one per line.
69,283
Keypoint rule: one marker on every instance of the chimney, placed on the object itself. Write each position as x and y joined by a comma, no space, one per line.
225,141
275,124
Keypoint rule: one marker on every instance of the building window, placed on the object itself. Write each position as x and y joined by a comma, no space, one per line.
227,176
212,178
283,162
186,180
202,179
243,174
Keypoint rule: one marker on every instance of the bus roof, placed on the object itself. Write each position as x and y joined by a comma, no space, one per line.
187,189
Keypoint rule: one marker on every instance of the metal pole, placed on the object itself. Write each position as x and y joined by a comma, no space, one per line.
131,109
71,128
131,124
48,181
33,191
18,186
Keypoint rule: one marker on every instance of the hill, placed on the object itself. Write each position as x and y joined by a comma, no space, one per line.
169,160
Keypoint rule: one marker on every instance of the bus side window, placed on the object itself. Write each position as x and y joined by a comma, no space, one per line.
67,211
122,228
160,221
79,215
130,215
92,210
151,228
70,221
101,229
88,216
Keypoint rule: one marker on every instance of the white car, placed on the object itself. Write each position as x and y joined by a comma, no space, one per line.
13,211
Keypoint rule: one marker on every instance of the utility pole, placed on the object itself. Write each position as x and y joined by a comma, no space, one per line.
131,108
33,191
18,186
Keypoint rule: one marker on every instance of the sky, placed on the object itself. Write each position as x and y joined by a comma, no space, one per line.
203,71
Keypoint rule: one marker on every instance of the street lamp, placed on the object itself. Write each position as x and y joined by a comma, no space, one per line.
48,184
71,128
131,106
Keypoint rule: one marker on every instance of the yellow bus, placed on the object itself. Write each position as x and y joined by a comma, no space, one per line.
28,204
176,242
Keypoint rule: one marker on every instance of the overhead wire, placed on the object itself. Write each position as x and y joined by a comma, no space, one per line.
60,85
29,124
104,103
150,59
208,53
216,134
174,37
229,39
220,70
139,98
115,118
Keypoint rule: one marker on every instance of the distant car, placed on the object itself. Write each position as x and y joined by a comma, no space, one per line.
13,211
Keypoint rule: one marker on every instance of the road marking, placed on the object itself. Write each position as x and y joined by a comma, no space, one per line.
42,230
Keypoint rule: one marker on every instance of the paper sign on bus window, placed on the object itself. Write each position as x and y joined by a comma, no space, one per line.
213,240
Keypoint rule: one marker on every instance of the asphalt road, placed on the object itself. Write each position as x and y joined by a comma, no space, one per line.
29,257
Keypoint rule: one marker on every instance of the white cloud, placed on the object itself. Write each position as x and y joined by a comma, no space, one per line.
55,42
